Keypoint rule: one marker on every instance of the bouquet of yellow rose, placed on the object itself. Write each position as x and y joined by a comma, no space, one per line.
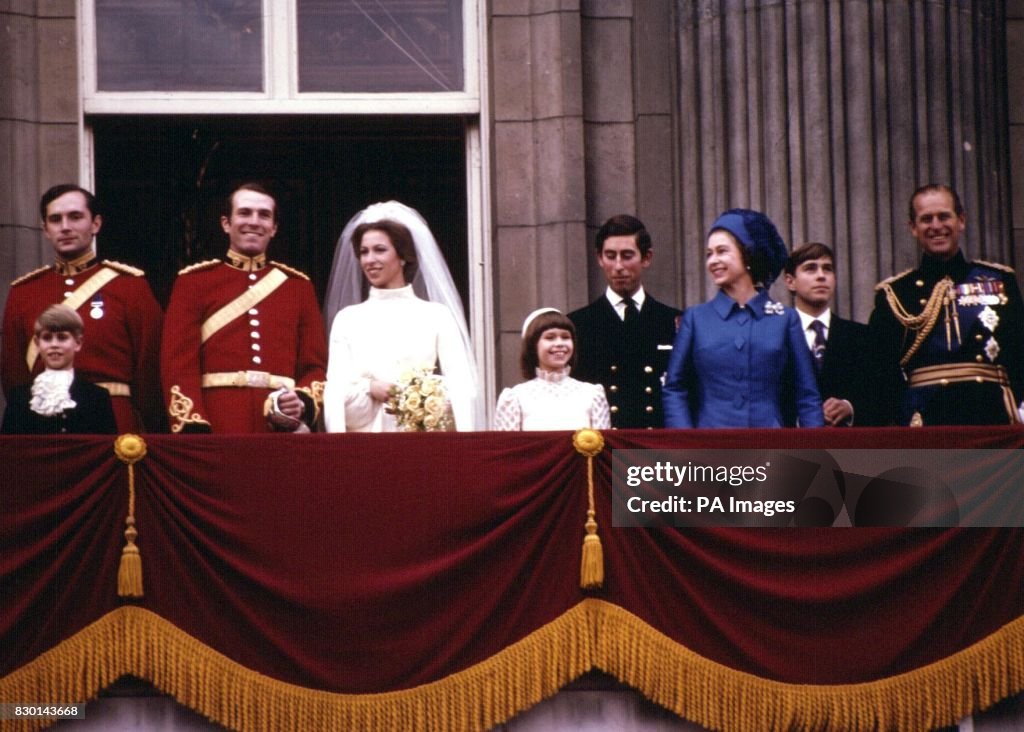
419,402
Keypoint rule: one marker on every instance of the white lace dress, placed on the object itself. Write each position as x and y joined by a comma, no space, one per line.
552,401
392,331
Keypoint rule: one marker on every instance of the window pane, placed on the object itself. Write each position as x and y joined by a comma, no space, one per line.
380,45
179,45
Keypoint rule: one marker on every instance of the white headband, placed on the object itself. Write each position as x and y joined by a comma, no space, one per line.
532,316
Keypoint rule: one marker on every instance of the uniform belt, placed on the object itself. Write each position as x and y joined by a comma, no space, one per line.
955,373
247,379
116,388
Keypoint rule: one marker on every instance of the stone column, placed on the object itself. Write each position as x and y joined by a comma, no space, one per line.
1015,97
827,115
538,165
629,101
38,124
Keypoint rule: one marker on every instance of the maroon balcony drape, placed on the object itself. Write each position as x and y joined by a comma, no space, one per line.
366,564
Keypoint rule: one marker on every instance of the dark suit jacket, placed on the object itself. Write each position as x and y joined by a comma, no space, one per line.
92,414
846,373
631,376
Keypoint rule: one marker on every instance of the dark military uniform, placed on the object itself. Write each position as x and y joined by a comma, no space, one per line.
949,339
630,373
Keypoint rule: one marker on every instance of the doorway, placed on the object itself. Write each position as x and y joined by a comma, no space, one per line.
162,180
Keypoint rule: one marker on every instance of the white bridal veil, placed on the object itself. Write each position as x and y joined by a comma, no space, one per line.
433,281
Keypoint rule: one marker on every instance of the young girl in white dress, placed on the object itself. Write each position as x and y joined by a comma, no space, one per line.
551,399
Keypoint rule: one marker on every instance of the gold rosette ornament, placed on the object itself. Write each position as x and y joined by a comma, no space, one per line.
130,449
590,442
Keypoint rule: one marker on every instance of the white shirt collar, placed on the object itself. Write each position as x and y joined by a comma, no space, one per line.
392,293
805,319
618,302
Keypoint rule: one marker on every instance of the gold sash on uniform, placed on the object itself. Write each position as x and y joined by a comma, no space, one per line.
242,303
74,301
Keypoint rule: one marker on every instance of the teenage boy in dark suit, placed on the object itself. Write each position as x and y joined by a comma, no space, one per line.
839,347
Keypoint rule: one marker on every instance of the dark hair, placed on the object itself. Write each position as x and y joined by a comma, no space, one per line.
400,238
624,225
229,202
57,318
55,192
958,207
806,252
528,361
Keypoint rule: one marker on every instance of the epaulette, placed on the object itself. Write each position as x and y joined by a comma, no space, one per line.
994,265
123,268
890,280
198,266
290,270
31,275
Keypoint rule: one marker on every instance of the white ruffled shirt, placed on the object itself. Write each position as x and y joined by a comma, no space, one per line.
51,392
389,333
552,401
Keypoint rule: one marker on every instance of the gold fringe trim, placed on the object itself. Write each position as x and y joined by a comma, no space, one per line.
592,634
722,698
131,640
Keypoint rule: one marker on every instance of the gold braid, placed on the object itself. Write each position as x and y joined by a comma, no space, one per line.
923,323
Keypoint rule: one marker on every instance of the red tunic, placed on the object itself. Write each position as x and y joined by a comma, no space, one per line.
283,334
121,342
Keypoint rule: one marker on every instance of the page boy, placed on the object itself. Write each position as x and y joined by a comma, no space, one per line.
56,402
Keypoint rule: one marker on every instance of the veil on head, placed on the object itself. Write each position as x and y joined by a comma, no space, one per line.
432,282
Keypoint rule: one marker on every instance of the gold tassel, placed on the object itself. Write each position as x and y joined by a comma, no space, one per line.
129,574
590,442
129,450
592,563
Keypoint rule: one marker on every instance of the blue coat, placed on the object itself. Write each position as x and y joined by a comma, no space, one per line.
729,364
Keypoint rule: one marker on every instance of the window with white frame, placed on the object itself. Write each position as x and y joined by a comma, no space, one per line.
337,56
200,63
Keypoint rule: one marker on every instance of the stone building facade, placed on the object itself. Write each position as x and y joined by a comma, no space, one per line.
824,114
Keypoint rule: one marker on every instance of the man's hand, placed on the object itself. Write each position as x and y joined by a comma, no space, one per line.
837,411
290,404
286,412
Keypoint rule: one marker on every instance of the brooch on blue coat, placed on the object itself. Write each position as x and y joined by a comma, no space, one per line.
774,308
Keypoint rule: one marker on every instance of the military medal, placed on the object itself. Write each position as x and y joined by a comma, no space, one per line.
983,292
96,307
989,318
991,349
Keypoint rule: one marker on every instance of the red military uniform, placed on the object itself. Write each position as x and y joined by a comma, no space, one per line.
121,346
251,348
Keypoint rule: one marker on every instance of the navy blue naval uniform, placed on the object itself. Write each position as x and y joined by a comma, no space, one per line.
732,364
950,341
630,372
